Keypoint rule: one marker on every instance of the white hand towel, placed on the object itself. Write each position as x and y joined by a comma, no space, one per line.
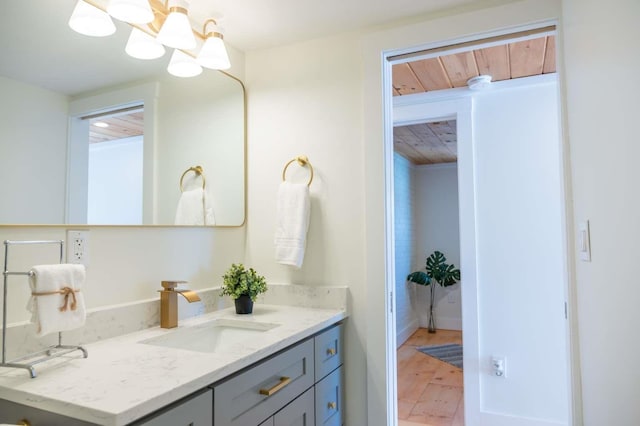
292,223
194,208
57,303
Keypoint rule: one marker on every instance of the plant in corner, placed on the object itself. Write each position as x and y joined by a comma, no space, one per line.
439,271
244,286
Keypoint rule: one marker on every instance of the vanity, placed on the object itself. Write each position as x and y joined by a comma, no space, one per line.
282,365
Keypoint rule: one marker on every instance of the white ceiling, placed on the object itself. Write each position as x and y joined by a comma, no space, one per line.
37,46
256,24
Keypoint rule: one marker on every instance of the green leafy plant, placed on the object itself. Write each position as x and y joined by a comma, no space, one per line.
438,270
238,281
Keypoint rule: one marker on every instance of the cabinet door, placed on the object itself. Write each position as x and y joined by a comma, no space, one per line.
329,400
300,412
328,351
195,411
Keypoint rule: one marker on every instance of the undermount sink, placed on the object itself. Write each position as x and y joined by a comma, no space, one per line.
212,336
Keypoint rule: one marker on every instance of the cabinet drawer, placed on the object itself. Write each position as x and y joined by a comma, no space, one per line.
329,402
12,413
299,413
328,351
195,411
257,393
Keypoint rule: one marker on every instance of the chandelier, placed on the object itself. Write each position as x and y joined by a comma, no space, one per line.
156,24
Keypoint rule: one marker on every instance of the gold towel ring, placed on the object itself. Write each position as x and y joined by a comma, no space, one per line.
303,161
198,171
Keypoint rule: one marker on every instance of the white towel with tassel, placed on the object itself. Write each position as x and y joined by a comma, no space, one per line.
57,303
194,208
292,223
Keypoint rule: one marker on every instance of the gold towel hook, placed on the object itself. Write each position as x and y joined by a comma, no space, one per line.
302,161
198,171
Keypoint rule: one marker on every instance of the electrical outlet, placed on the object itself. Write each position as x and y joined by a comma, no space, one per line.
78,247
499,366
451,298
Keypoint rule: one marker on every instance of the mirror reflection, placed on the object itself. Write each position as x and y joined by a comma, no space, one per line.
63,169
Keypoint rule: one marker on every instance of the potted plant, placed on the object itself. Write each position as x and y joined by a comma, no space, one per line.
243,286
439,271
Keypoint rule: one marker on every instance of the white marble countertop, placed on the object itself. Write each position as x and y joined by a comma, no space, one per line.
123,379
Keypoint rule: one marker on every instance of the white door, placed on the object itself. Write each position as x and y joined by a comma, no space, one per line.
512,251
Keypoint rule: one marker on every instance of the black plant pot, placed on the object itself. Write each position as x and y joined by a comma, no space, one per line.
244,304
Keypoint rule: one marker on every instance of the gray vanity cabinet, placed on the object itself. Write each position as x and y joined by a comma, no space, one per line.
12,413
300,412
194,411
329,400
258,392
328,351
299,386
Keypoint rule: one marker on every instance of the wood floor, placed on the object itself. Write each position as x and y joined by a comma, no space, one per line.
429,390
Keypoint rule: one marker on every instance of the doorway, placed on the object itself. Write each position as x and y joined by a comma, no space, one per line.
430,380
115,167
502,239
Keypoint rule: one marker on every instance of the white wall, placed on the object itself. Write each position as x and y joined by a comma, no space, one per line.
306,99
128,263
405,240
437,228
601,44
33,133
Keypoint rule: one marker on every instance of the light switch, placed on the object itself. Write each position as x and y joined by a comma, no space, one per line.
584,241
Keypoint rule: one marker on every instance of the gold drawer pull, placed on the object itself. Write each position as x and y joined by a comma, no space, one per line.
284,381
332,405
331,352
24,422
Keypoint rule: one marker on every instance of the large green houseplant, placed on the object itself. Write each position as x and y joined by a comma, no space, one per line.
244,286
438,270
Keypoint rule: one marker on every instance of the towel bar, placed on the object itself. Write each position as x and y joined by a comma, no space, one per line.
50,352
302,161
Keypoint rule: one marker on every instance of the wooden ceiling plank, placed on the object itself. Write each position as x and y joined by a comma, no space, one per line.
527,57
550,56
431,74
494,61
460,67
421,130
409,153
405,81
121,125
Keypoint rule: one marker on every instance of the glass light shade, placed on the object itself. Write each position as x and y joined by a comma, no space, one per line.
143,46
213,54
132,11
176,32
89,20
183,65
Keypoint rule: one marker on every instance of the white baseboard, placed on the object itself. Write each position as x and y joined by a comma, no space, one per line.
496,419
406,332
446,323
443,323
